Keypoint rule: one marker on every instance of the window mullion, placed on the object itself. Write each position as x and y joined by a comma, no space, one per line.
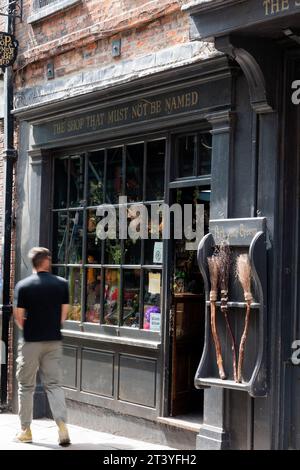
84,239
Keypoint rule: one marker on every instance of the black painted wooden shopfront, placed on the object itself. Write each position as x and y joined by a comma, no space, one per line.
122,363
241,99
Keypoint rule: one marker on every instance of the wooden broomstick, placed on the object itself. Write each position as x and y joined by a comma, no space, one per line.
224,260
243,270
214,276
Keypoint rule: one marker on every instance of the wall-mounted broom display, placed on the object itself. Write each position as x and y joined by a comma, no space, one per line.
241,360
243,272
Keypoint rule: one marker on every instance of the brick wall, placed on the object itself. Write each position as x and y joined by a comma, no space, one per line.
81,37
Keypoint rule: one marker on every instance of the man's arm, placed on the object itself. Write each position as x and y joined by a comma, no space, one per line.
19,314
64,312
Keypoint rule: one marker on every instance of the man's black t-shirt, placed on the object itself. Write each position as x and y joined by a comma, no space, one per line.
42,295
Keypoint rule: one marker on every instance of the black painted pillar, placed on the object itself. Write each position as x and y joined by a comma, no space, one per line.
214,432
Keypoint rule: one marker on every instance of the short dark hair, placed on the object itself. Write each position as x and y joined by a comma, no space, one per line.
37,255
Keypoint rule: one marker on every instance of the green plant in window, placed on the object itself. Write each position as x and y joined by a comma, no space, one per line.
115,253
96,192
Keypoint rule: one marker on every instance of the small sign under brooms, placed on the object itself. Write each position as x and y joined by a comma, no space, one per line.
8,49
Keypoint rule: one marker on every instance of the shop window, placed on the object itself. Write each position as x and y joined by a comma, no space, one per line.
193,155
111,281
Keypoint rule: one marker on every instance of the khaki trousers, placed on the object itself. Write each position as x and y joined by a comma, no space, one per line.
44,356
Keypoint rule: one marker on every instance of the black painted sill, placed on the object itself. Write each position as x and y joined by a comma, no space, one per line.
51,9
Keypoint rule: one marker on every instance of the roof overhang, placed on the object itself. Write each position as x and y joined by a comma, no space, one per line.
259,18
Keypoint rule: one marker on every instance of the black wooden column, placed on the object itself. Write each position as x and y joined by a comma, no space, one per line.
213,434
39,162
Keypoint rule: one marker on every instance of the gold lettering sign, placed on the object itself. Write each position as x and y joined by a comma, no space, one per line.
119,115
275,7
8,49
240,231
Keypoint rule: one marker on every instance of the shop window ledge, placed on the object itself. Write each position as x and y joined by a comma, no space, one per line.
142,343
182,422
43,12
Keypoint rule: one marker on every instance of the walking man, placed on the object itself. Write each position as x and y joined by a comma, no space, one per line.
41,306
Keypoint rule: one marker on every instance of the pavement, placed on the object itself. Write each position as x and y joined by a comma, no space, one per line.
44,432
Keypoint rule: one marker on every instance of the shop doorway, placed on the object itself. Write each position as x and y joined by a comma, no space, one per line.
187,313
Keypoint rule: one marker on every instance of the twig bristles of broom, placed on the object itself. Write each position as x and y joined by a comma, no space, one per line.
224,261
213,266
243,271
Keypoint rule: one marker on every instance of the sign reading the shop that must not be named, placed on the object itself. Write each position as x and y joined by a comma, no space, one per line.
8,49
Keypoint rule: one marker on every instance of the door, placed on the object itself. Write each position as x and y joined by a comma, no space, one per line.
188,312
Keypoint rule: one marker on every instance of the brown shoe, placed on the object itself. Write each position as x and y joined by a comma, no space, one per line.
63,434
24,435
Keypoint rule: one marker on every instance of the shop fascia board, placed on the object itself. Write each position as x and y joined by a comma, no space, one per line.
218,18
217,66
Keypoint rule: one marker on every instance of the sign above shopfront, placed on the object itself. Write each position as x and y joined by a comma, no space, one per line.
8,49
216,20
185,101
277,7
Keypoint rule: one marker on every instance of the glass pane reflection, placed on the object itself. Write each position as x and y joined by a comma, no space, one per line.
152,299
131,298
75,283
111,296
93,293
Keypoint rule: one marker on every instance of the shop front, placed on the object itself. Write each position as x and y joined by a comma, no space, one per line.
222,134
135,330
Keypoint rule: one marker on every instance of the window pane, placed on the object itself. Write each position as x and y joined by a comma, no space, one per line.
131,298
114,175
205,142
186,154
112,296
132,251
76,181
60,183
156,152
94,244
93,292
153,246
134,172
96,178
75,284
75,237
152,296
60,227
